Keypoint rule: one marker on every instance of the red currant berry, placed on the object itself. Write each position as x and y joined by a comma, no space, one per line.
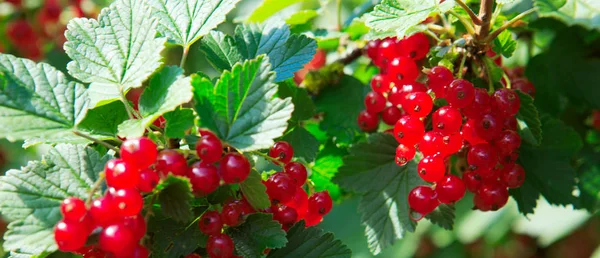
508,142
493,195
415,47
299,202
139,152
468,133
482,104
391,115
148,180
120,174
20,32
489,126
447,120
297,171
374,102
210,223
313,219
104,211
171,162
524,86
404,154
285,215
373,49
403,69
235,168
472,181
451,144
281,188
418,104
380,83
320,203
479,203
506,101
368,122
438,80
232,214
387,50
432,168
70,236
129,202
219,246
510,123
117,239
409,130
450,189
209,148
460,93
513,175
245,206
282,151
509,159
423,199
204,178
399,92
137,225
73,209
482,156
430,143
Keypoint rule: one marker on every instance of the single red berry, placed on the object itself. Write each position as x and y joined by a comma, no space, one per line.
415,47
493,195
510,123
418,104
403,69
297,171
472,180
397,95
404,154
219,246
409,130
423,199
209,148
447,120
137,225
245,206
121,174
480,204
482,156
140,252
387,50
460,93
204,178
439,78
380,83
20,32
73,209
489,127
509,159
139,152
373,49
368,122
507,142
234,168
70,235
524,86
104,211
210,223
506,102
281,187
482,104
232,214
513,175
117,239
282,151
170,162
129,202
432,168
390,115
320,203
148,180
374,102
285,215
468,133
450,189
299,202
430,143
313,219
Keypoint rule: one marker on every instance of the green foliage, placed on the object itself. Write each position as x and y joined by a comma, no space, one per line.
104,120
571,12
304,108
268,8
504,44
326,166
443,216
255,191
301,17
30,197
172,239
530,125
175,196
311,242
259,232
178,122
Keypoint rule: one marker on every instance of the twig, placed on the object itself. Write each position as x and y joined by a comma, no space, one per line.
95,188
355,54
462,65
472,14
496,13
464,21
485,14
505,26
98,141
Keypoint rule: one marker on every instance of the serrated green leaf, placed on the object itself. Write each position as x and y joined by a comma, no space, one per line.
31,197
184,22
401,16
241,108
255,191
116,52
220,50
572,12
326,166
504,44
442,216
268,8
305,144
258,233
104,120
37,101
311,242
167,90
304,108
301,17
171,239
178,121
384,206
174,196
528,114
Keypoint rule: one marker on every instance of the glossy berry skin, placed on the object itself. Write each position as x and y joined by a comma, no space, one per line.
368,122
509,159
73,209
281,187
209,147
285,215
513,175
380,83
403,69
479,203
482,104
171,162
494,196
430,143
506,102
447,120
387,50
460,93
104,211
451,144
297,171
70,236
404,154
489,126
282,151
204,178
472,181
210,223
432,168
390,115
231,214
129,202
468,133
415,47
374,102
219,246
234,168
450,189
373,48
510,123
137,225
438,80
299,202
423,199
524,86
507,142
409,130
320,203
148,180
397,95
482,156
120,174
117,239
139,152
418,104
313,219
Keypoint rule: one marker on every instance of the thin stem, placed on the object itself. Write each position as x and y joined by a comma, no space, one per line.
462,66
339,15
507,80
128,108
472,14
464,21
485,14
267,157
186,51
193,222
355,54
496,13
95,188
432,34
505,26
98,141
488,73
148,209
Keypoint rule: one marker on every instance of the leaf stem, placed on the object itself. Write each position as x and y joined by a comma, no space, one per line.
267,157
96,140
464,22
186,51
339,15
485,14
126,103
505,26
507,80
462,65
472,14
488,72
95,188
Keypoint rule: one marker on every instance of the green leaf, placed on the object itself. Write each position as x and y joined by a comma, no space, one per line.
241,109
104,120
572,12
258,233
384,206
301,17
504,2
547,164
305,144
401,16
184,22
178,121
329,160
304,108
341,105
442,216
220,50
116,52
268,8
528,114
311,242
31,197
167,90
174,196
36,100
255,191
505,44
171,239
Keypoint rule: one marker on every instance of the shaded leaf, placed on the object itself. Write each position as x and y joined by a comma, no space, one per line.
311,242
174,196
255,191
259,232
